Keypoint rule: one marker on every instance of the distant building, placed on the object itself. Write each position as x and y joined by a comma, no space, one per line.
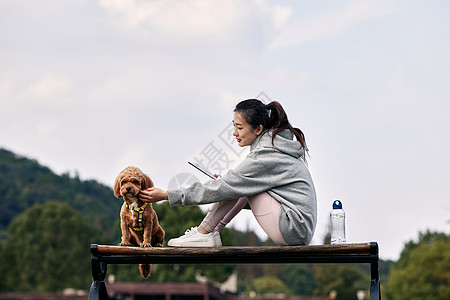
182,291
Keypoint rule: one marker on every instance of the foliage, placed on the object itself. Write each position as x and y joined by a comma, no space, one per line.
4,265
346,280
47,249
422,271
300,279
267,285
25,182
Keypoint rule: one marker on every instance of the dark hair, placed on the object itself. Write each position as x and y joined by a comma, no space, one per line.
271,116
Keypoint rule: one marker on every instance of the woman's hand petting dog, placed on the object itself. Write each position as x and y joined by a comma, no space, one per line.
152,195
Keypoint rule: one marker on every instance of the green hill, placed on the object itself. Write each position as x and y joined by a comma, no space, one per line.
24,182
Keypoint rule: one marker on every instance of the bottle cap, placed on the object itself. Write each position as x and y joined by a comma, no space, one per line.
337,204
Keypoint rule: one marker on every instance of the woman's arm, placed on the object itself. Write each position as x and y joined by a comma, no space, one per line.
153,195
248,178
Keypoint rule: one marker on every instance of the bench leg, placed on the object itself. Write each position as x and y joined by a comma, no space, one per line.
98,291
99,268
375,277
375,290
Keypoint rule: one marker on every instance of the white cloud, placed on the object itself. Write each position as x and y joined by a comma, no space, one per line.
329,24
130,157
50,87
19,92
200,18
6,88
46,127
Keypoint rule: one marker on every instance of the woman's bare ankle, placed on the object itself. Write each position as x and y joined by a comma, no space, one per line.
202,230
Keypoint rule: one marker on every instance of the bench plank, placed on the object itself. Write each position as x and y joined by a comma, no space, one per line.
244,250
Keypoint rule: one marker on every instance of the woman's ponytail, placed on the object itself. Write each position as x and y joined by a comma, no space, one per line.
279,122
278,117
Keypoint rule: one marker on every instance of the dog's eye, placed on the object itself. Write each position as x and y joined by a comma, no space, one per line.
135,182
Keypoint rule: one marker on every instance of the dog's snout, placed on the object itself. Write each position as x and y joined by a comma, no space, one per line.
128,188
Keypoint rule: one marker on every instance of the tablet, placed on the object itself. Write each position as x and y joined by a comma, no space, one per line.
201,169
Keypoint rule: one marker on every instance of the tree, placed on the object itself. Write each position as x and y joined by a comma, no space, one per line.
422,272
47,249
299,278
346,280
267,285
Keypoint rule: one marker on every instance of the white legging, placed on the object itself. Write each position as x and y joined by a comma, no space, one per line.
265,209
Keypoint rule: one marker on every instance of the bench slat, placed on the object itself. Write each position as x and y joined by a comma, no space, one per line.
356,248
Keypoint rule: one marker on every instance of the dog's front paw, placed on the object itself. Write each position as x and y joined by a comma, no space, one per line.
146,244
125,244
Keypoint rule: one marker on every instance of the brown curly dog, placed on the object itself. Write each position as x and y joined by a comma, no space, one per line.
138,220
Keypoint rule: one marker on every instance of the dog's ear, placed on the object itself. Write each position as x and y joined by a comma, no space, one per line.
117,187
148,183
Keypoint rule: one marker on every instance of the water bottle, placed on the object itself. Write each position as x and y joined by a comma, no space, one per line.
337,217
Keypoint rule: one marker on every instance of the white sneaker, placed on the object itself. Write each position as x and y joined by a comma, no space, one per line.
217,239
193,238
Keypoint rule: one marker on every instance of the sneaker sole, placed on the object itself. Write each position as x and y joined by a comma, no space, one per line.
190,244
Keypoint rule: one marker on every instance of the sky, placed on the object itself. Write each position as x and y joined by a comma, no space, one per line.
88,87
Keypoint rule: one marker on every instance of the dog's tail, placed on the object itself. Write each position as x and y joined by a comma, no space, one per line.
145,270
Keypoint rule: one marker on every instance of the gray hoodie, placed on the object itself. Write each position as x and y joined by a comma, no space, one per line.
277,170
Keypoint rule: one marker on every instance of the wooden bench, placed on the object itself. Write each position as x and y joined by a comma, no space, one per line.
102,255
